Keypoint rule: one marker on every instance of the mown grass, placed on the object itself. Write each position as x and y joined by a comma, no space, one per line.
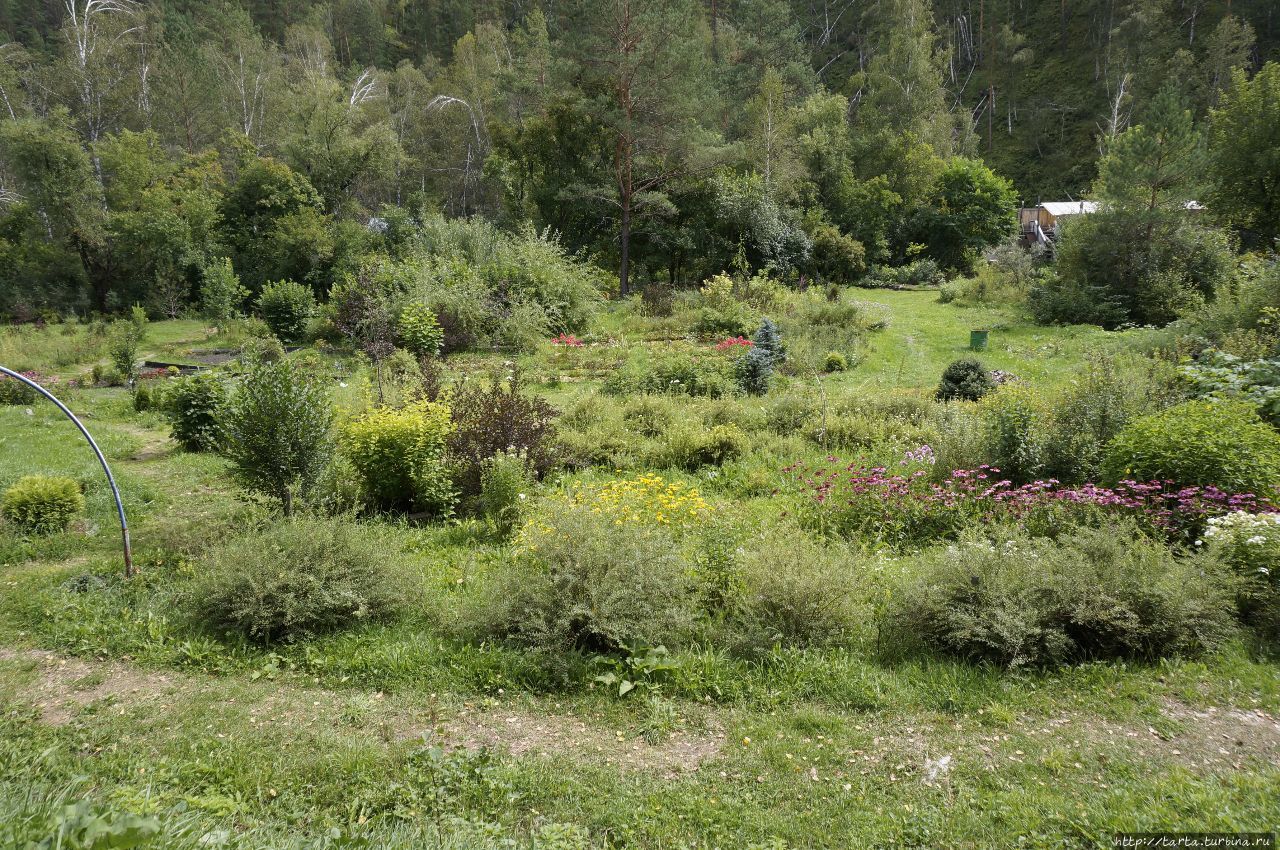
321,743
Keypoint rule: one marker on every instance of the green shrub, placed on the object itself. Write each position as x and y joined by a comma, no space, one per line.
419,331
1017,426
793,592
13,391
964,379
754,370
1091,594
221,295
1221,444
122,346
690,448
400,455
42,504
287,308
297,579
671,374
648,415
589,583
835,362
789,414
277,429
506,485
194,406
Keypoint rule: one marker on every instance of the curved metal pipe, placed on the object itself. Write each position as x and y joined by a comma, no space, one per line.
115,491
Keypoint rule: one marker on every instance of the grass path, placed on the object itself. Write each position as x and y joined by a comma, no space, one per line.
924,335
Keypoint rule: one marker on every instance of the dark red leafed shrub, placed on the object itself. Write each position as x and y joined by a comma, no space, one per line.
497,417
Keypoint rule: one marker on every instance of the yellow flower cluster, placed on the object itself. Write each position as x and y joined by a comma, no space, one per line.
645,500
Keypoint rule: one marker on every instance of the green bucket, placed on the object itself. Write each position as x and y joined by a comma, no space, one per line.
978,340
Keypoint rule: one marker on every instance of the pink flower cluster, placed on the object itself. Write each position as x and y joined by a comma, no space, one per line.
907,506
733,342
567,339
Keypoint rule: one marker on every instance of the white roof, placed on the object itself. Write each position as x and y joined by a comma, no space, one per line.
1058,208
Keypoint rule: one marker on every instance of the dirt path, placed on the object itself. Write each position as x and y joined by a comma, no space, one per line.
1219,740
60,688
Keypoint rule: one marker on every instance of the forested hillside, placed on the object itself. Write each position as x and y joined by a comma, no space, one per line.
667,139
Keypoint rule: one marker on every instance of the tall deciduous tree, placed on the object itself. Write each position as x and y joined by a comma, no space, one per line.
643,70
1245,152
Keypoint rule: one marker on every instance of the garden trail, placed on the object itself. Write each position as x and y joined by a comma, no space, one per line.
63,688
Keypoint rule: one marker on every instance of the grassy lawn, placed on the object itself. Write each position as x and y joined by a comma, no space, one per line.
406,735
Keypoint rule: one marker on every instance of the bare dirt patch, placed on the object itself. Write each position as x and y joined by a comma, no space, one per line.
521,732
64,686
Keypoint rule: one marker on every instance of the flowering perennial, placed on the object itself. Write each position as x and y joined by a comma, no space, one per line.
733,342
907,508
567,340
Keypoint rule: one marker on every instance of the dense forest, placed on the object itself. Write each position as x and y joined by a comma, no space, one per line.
667,140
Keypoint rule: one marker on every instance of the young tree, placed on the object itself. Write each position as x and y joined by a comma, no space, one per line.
278,430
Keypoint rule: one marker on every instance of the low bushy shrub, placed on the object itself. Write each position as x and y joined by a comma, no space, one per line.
672,374
506,486
793,591
123,341
648,415
400,456
589,581
221,295
835,362
691,447
496,417
300,578
42,504
277,430
193,405
965,379
419,331
1221,444
1092,594
287,307
13,391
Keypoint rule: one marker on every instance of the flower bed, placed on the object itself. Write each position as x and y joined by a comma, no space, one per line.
908,509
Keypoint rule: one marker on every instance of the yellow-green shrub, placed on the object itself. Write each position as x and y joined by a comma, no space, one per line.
42,504
399,454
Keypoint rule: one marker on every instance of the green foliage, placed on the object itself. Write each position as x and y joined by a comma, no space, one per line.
221,295
13,391
835,362
1091,594
835,256
691,447
671,374
587,583
507,484
42,504
419,331
794,592
972,208
123,341
1221,444
277,430
753,371
1243,143
287,307
297,579
400,456
648,415
1216,374
965,379
194,406
1017,423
